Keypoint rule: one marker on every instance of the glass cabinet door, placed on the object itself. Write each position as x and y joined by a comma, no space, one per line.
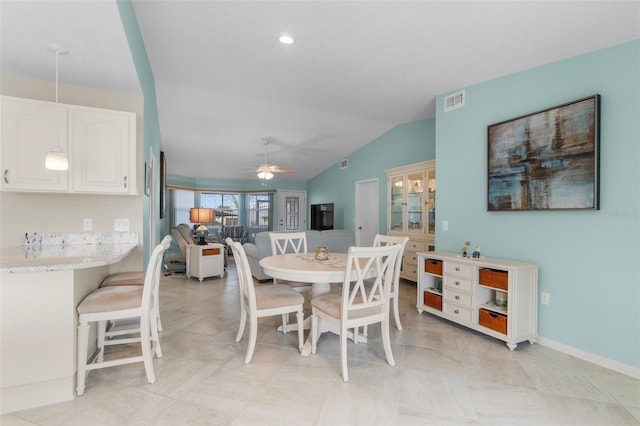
431,201
415,210
396,209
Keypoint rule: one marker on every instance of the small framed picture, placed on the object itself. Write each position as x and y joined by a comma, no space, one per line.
147,179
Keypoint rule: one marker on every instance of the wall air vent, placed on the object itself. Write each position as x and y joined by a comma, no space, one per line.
454,101
344,164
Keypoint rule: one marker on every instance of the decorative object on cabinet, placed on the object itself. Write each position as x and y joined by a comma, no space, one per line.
411,212
476,253
547,160
56,158
497,297
200,216
102,146
163,182
465,248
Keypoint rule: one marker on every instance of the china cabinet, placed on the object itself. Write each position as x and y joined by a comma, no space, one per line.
497,297
411,192
100,145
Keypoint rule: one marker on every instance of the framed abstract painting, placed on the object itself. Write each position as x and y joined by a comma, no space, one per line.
547,160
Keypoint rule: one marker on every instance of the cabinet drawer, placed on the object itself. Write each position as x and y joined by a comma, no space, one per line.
494,278
458,269
458,283
458,297
433,300
411,258
460,314
415,246
433,266
493,320
210,252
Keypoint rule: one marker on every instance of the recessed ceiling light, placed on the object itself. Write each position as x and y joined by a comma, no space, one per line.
286,39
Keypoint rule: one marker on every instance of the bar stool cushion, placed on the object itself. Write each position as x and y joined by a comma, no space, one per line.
123,278
113,298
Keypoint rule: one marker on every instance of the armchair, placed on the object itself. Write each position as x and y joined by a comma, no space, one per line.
236,232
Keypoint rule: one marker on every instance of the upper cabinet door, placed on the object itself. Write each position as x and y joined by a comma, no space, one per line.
103,146
30,129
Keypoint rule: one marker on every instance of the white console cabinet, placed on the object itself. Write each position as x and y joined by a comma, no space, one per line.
205,260
100,145
497,297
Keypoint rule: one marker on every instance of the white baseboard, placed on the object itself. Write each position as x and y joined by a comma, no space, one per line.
592,358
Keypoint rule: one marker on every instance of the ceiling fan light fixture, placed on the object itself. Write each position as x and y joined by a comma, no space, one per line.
265,175
286,39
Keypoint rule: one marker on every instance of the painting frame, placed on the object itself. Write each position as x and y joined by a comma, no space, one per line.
546,160
163,183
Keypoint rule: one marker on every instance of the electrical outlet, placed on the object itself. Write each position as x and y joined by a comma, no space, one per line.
545,298
87,224
121,225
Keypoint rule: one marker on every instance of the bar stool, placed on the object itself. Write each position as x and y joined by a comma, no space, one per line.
113,303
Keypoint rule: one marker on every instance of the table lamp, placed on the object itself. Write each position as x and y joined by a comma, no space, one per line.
200,216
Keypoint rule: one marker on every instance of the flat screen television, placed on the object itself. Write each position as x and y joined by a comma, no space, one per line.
322,216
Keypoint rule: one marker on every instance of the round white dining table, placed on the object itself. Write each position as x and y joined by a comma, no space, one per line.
303,267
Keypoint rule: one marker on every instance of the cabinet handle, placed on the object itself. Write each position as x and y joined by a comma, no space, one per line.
456,312
6,175
458,268
457,282
125,182
457,297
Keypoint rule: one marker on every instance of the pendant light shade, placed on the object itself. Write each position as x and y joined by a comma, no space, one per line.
56,158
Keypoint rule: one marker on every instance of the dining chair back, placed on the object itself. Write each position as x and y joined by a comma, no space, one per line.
262,301
384,240
359,304
112,303
289,242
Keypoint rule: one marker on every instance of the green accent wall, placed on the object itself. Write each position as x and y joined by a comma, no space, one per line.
152,137
589,260
404,144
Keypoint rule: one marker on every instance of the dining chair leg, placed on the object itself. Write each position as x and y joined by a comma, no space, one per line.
81,371
285,322
386,341
343,355
147,355
314,333
243,323
396,311
300,317
253,333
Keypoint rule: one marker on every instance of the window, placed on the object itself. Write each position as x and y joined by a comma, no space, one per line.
259,211
227,207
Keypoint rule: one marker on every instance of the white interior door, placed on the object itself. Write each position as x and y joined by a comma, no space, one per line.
366,212
292,211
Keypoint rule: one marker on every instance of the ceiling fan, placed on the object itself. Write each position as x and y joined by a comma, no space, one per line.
266,171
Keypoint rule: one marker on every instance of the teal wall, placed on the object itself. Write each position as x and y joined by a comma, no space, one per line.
589,260
406,143
151,131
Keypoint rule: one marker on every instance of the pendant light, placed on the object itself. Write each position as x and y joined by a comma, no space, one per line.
56,158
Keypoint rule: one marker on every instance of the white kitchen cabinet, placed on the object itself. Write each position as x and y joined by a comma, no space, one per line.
411,211
497,297
29,130
100,145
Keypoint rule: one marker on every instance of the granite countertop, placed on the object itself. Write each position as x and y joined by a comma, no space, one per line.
59,252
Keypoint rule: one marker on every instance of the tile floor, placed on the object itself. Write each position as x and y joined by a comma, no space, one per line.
444,375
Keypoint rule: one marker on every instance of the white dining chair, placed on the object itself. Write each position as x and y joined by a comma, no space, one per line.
289,242
262,301
114,303
383,240
358,304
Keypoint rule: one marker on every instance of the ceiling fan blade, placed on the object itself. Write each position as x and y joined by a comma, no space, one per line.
276,169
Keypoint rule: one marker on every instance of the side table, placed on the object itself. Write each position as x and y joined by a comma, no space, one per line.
205,260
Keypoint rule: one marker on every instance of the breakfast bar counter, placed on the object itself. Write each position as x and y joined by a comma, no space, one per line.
41,283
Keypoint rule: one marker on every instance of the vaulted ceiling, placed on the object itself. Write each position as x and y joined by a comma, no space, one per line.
224,83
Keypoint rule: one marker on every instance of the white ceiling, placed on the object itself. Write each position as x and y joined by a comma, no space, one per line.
357,69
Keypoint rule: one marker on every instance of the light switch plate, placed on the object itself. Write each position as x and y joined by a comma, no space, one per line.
87,224
121,225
